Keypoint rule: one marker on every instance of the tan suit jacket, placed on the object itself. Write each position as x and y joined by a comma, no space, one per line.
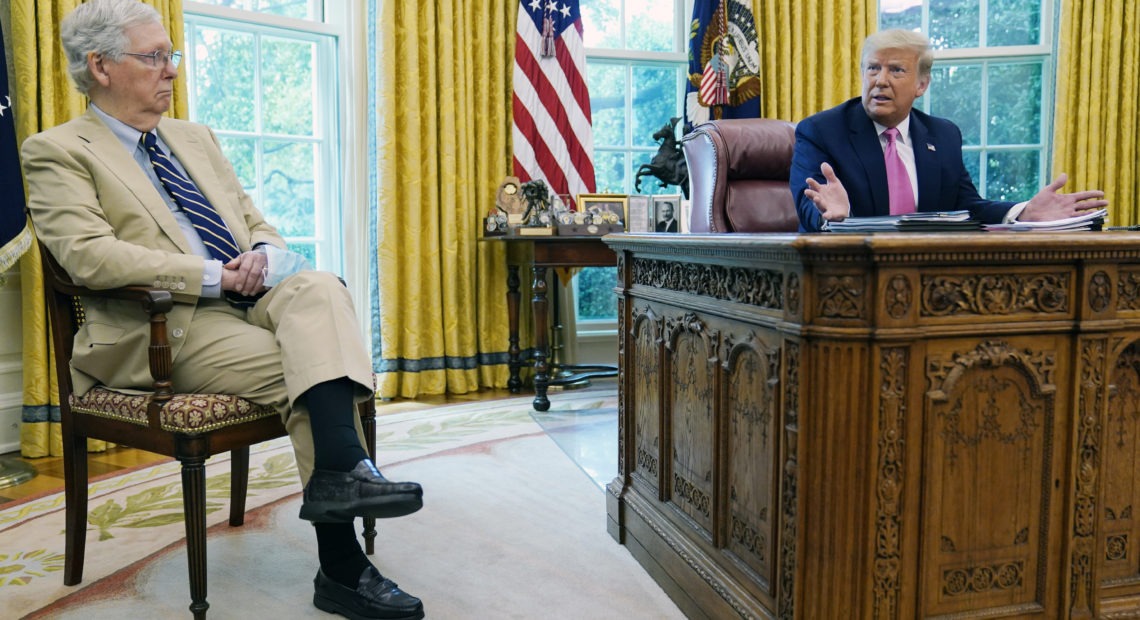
105,222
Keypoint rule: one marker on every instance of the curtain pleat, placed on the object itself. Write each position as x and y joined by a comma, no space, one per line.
810,53
44,97
442,135
1096,135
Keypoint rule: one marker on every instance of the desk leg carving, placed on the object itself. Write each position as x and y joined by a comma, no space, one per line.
514,384
541,369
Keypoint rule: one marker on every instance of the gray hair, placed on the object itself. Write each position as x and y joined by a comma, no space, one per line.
100,27
898,39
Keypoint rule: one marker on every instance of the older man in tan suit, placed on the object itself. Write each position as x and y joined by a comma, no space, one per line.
124,196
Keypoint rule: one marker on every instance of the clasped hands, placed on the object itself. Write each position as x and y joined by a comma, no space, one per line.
245,274
833,204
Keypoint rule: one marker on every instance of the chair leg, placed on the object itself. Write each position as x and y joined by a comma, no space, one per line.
367,411
75,504
239,484
194,510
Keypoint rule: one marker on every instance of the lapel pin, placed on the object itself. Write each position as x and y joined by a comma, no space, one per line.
930,147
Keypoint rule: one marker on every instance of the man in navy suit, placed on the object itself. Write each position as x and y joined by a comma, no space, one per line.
838,167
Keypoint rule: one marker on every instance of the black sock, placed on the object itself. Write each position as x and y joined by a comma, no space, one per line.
332,415
341,557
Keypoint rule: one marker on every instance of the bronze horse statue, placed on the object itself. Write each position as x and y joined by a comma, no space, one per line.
668,164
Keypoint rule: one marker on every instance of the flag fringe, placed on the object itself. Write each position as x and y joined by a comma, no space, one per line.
14,249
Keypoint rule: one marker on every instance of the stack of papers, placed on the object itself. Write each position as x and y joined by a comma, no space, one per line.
927,221
1091,220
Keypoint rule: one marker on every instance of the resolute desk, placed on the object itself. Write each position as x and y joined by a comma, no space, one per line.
884,426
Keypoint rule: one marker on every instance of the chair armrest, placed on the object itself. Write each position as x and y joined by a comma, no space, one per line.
154,301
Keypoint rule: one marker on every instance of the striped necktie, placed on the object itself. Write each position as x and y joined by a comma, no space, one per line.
204,218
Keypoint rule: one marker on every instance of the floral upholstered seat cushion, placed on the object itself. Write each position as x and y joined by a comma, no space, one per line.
185,413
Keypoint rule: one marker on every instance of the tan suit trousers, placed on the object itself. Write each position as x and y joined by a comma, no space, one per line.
301,333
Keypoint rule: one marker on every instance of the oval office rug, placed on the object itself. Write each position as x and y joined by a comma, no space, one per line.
511,528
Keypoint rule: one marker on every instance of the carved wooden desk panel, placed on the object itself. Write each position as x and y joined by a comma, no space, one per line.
882,426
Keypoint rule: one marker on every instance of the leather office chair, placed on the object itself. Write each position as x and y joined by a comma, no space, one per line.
188,427
738,176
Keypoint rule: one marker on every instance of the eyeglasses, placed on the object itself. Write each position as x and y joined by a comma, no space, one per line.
159,58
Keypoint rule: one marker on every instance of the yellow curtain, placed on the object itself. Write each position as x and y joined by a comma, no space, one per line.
1096,134
809,53
443,147
44,97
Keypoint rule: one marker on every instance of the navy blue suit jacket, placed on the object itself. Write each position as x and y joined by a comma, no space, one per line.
845,137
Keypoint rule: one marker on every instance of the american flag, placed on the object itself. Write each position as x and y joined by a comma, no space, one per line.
714,82
553,139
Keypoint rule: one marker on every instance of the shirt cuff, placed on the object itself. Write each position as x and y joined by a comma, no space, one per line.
1014,211
212,279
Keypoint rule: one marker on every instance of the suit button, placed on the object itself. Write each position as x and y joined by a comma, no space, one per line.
177,333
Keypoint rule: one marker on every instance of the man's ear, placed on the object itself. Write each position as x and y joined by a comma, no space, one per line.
923,84
96,65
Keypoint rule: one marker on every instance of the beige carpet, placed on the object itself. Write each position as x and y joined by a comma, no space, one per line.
511,528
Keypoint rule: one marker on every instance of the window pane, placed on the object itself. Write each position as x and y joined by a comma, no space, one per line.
1013,22
596,299
308,250
905,14
954,23
301,9
287,86
654,102
242,153
601,24
1013,175
223,79
610,172
954,94
289,202
607,103
1015,103
650,25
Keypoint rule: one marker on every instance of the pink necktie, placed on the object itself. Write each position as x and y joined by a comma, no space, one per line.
898,181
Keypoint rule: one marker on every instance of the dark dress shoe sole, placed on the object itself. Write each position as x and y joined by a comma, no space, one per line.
327,604
383,507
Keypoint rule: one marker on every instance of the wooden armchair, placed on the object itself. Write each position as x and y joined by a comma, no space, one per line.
188,427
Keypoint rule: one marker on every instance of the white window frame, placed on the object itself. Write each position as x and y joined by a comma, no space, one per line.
1045,52
342,224
598,329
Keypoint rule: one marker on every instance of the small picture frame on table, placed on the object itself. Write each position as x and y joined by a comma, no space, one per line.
640,213
667,213
603,213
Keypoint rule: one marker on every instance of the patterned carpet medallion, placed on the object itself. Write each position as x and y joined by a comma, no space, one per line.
511,527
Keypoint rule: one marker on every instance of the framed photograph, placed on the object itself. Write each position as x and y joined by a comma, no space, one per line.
640,214
667,213
603,209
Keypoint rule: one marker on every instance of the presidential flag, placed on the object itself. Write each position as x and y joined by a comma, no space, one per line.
553,139
15,236
724,63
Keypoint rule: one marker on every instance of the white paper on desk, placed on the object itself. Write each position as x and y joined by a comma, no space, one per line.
1078,222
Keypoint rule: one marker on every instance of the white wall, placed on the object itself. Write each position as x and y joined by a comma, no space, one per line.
11,369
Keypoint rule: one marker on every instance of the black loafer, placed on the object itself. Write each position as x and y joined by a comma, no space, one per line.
338,497
374,597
